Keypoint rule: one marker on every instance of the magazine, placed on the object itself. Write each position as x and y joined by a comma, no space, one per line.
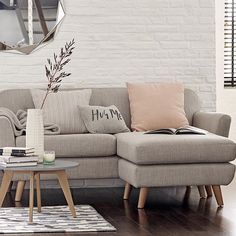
182,130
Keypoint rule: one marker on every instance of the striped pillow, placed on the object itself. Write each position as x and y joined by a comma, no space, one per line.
62,109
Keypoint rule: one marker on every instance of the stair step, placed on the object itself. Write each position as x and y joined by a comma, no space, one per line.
6,2
36,32
48,13
51,3
44,8
37,20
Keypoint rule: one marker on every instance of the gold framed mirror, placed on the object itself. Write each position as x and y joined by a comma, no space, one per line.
27,24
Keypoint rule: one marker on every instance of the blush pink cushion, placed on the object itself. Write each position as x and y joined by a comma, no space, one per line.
156,106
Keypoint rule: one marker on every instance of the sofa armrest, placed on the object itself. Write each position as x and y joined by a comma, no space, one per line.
213,122
7,137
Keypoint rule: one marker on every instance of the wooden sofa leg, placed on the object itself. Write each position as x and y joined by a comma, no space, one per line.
19,190
127,191
142,197
208,190
201,191
218,195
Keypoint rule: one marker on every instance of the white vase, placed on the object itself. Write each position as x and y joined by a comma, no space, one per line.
35,132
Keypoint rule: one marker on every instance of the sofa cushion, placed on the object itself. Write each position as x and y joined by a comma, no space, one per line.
78,145
156,106
103,120
168,149
62,109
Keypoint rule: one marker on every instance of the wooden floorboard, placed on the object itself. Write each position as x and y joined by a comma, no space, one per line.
168,212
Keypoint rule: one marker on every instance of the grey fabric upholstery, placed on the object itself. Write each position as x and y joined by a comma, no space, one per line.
78,145
146,149
96,153
119,97
176,175
88,168
7,137
16,99
216,123
191,104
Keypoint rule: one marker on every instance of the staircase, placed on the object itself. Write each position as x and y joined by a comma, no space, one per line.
44,16
8,3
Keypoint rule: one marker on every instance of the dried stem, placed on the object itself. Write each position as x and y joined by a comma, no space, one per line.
45,97
54,71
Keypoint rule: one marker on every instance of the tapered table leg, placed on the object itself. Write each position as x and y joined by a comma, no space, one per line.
62,177
6,181
38,191
19,190
31,197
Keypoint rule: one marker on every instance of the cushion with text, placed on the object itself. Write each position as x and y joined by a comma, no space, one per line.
103,120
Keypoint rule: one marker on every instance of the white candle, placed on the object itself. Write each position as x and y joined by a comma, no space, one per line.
49,156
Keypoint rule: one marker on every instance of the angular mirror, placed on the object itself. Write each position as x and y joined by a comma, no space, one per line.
26,24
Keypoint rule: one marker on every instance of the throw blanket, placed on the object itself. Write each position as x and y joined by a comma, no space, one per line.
18,122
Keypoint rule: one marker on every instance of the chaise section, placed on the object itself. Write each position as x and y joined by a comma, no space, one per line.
176,175
78,145
156,160
147,149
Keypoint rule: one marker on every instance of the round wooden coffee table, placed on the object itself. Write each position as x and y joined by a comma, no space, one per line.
59,169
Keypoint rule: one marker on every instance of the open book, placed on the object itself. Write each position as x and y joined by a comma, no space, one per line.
181,130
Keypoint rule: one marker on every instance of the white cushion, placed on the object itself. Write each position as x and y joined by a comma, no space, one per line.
62,108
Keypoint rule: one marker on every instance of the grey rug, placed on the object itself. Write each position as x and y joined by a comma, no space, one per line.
52,219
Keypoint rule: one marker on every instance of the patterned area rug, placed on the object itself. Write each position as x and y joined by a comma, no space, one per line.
52,219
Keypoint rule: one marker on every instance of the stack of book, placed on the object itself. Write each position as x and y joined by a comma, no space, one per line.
17,156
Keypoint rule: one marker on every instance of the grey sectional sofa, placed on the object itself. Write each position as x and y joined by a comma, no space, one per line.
142,161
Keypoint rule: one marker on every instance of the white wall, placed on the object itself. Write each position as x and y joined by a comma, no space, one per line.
135,40
226,97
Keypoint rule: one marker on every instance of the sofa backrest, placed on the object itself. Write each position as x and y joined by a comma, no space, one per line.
16,99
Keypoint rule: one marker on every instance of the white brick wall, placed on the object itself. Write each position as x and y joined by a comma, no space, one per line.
135,40
225,97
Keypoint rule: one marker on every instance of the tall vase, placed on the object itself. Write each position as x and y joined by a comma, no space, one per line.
35,132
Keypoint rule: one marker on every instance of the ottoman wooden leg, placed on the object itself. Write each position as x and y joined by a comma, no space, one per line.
208,190
201,191
142,197
19,190
218,195
128,188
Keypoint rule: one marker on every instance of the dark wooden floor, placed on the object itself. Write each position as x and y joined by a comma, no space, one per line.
168,211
